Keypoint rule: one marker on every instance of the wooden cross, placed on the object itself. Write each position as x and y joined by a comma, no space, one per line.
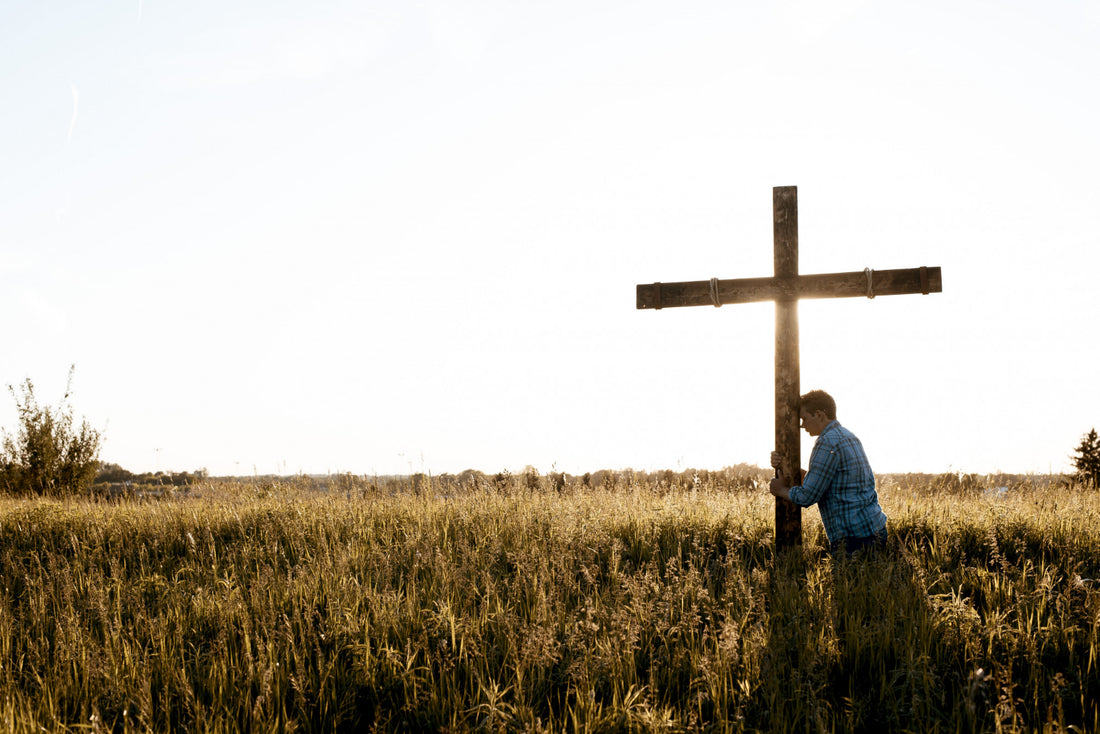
786,287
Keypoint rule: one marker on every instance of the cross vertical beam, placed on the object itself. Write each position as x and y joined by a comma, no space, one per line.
788,516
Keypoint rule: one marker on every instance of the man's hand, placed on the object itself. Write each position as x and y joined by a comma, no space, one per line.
780,488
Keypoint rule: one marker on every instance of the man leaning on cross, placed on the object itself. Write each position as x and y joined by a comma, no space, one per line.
839,480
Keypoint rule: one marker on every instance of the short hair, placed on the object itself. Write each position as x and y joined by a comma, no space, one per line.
816,400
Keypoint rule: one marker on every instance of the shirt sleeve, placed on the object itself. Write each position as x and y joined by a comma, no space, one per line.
824,461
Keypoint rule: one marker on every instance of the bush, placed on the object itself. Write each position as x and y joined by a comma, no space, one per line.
49,455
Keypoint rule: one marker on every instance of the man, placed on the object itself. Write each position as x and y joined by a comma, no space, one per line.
839,481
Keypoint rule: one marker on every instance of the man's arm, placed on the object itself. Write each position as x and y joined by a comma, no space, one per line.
823,467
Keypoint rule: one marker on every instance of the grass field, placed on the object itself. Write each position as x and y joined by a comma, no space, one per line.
640,603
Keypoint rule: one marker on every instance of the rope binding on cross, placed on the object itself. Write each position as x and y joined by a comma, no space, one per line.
870,282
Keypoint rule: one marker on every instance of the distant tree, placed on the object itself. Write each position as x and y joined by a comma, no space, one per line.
422,483
471,479
110,472
1087,461
49,455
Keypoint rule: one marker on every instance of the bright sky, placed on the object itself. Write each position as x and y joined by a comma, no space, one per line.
405,235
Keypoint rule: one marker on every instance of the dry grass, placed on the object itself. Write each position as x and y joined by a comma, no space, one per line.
642,604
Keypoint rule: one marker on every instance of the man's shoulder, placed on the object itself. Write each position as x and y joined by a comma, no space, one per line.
836,435
844,442
833,432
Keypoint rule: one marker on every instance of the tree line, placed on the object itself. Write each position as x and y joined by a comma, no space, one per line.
51,454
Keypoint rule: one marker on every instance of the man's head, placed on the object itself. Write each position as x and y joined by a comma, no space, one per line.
817,410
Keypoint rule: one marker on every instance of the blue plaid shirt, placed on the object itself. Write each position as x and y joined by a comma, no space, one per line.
841,483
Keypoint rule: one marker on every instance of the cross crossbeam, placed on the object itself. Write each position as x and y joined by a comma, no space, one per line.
820,285
786,288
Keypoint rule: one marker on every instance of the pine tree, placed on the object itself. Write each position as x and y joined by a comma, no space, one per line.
1087,461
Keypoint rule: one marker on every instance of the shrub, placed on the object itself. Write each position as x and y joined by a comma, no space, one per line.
49,455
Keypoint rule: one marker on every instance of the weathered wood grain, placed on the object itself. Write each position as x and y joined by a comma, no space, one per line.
788,516
817,285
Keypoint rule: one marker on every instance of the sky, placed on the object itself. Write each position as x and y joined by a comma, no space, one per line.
398,236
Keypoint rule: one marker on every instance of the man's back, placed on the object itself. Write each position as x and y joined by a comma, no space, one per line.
841,482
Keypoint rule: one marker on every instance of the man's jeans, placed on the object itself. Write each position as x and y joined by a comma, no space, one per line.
848,546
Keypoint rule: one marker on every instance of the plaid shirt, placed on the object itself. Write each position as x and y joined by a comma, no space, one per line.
841,483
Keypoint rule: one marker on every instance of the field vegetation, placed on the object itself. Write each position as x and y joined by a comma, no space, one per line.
616,602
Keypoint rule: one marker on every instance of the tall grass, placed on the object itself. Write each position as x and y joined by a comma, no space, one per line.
632,606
